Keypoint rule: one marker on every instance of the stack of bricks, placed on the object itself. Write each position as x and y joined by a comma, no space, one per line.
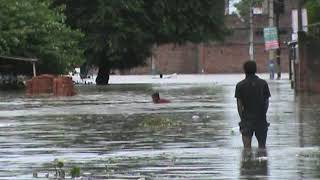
40,85
49,84
63,86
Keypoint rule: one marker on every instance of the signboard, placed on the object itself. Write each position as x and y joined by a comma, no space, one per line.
294,20
271,38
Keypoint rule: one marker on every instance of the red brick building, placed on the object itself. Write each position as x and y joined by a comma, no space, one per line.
222,57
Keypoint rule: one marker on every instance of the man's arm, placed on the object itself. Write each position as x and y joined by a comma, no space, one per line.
266,105
240,108
267,95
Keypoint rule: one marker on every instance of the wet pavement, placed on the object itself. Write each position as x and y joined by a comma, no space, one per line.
115,132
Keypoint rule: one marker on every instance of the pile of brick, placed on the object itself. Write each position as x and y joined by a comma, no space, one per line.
49,84
40,85
63,86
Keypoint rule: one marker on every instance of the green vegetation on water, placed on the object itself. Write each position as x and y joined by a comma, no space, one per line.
158,123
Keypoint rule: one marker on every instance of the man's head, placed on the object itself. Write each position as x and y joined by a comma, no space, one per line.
250,67
155,97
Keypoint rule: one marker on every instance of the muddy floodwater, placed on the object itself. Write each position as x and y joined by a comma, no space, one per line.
115,132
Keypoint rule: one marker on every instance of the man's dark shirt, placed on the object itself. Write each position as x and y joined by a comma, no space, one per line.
253,93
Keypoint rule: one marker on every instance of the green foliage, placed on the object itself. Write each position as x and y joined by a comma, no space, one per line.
120,34
56,163
75,172
60,164
313,7
30,28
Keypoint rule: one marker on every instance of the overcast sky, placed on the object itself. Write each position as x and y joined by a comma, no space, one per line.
232,8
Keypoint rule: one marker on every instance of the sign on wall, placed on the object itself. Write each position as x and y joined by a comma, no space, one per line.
271,38
294,20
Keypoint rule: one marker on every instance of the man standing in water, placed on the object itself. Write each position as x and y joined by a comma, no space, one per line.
252,95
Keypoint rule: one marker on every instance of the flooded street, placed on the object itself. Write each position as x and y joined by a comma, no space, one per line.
116,132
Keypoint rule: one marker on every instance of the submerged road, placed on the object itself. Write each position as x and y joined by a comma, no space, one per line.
115,132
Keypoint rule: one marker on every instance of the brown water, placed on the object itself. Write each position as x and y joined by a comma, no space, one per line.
115,132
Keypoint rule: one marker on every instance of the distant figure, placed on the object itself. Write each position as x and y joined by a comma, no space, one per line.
252,95
161,76
157,100
271,65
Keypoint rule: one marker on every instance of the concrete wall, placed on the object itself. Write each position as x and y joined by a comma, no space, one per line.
308,68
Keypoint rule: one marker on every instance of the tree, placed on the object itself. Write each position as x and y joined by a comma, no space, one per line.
31,28
243,7
313,7
120,34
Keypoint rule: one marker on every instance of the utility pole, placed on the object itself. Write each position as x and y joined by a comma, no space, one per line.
297,74
251,43
300,28
271,24
153,59
278,10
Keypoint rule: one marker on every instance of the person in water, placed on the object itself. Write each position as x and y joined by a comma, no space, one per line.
157,100
253,95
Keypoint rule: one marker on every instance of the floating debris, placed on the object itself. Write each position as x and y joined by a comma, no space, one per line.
195,117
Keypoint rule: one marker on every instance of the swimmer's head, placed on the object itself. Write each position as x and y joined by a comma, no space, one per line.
155,97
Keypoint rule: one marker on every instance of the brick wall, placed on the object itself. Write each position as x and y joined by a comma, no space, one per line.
171,59
226,58
218,58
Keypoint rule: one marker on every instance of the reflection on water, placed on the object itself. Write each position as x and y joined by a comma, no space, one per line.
254,164
115,132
